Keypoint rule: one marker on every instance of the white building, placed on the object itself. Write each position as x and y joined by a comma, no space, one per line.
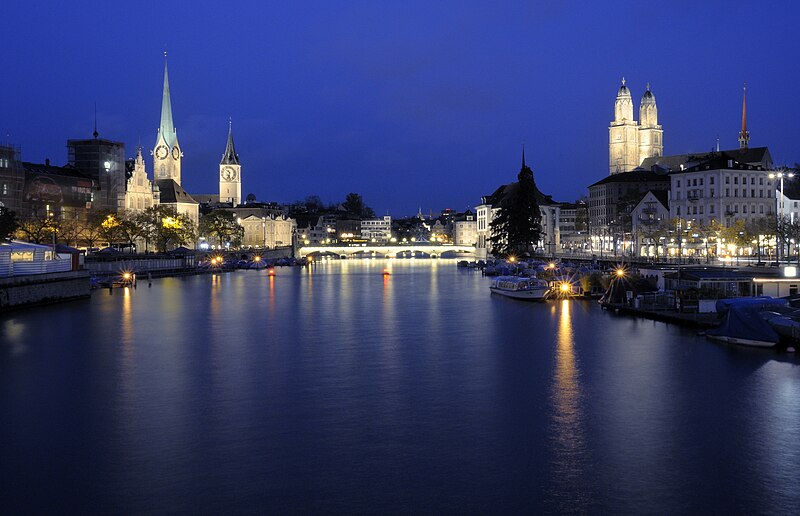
140,192
465,231
647,217
377,230
267,232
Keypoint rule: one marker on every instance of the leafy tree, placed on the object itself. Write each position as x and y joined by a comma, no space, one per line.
354,206
165,227
39,228
517,227
8,223
222,227
129,229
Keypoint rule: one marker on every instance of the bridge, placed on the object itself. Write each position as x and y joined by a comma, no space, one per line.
389,251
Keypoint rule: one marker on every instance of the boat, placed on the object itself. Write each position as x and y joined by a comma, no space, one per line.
742,321
533,289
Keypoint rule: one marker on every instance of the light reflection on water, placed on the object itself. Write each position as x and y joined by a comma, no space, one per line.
337,388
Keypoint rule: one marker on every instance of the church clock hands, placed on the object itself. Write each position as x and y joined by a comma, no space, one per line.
162,152
175,153
228,174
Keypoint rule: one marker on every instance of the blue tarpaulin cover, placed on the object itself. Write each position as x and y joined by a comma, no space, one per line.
741,319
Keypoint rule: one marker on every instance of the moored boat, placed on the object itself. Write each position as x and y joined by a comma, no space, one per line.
533,289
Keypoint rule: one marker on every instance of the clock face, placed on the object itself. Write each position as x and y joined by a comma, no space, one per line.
162,151
176,153
228,174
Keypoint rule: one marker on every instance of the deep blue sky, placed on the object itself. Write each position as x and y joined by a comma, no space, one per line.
413,103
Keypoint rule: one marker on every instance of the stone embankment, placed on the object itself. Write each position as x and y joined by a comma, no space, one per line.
39,289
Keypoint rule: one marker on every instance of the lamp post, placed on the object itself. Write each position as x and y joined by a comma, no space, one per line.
781,209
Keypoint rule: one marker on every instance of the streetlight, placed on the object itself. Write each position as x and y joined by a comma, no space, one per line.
781,206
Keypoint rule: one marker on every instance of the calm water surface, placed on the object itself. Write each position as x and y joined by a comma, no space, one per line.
340,390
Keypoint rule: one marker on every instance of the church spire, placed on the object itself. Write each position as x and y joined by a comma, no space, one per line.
167,129
744,135
523,155
230,157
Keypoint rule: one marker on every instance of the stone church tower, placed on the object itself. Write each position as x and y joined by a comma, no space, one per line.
650,133
629,142
167,153
230,173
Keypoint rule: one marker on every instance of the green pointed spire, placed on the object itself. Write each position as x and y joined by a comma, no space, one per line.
167,129
230,157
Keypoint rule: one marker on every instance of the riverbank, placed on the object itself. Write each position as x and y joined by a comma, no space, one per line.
695,320
40,289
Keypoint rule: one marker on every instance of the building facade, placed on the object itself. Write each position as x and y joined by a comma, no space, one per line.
629,141
140,192
377,230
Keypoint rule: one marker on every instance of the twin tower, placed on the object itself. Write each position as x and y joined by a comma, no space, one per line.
629,141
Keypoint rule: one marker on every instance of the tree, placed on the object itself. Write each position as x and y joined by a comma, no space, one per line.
129,229
165,227
39,228
221,226
517,228
354,206
8,223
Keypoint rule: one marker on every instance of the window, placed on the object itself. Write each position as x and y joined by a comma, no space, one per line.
761,181
711,180
752,180
727,192
736,180
752,192
5,188
678,211
701,181
727,180
678,183
744,208
761,209
711,209
711,192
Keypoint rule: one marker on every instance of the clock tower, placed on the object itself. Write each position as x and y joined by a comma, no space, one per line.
167,153
230,173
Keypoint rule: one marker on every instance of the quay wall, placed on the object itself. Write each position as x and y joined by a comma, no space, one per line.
36,289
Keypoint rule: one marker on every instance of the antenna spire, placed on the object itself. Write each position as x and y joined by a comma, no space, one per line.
95,133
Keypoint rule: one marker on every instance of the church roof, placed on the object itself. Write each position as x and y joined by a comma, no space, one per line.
230,157
753,156
634,176
172,192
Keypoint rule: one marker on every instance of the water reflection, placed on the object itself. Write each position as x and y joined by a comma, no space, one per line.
570,462
127,323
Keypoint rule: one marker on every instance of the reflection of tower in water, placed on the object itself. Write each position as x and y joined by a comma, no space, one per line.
570,464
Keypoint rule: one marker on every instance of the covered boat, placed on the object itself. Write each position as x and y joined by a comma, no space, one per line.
743,323
533,289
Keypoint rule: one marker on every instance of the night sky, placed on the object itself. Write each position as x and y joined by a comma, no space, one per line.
412,104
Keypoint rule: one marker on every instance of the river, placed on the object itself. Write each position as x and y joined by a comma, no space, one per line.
339,389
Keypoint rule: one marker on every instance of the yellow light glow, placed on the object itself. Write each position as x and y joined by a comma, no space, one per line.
512,258
256,258
126,275
620,273
565,287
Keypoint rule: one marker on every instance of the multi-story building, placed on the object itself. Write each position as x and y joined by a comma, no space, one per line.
465,229
725,186
104,161
267,232
647,219
140,192
12,178
377,230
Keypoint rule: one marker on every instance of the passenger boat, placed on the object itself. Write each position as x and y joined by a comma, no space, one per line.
533,289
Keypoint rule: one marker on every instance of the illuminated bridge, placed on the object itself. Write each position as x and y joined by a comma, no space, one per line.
389,251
